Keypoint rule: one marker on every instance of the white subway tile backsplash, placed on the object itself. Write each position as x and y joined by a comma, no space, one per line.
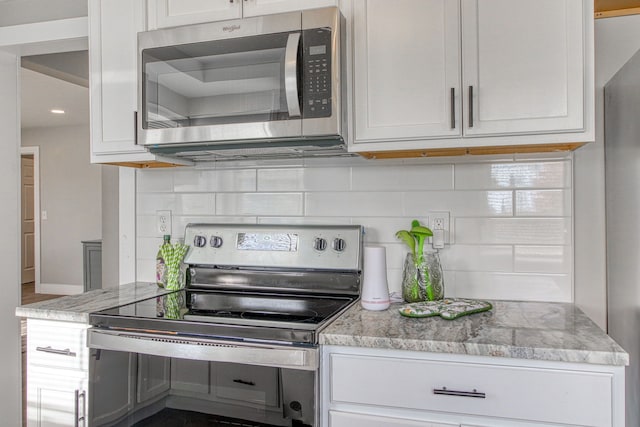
459,203
149,203
304,220
373,204
300,179
544,174
284,204
407,177
146,269
195,204
150,181
226,180
501,231
543,203
543,259
383,230
192,180
236,180
489,258
527,287
510,219
147,247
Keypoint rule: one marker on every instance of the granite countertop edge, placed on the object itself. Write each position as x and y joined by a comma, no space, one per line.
558,332
78,307
473,349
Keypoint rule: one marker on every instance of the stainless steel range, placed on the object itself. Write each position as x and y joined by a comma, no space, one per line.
258,297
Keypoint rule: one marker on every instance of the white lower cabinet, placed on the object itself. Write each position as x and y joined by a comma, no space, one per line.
57,380
403,388
346,419
56,400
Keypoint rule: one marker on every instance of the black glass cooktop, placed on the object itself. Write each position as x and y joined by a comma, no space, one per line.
229,315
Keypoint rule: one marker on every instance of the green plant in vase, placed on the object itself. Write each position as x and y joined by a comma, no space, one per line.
416,279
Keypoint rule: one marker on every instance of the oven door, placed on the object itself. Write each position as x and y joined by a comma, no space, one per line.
136,382
225,81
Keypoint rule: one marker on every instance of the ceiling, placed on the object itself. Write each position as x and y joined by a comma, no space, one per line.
40,92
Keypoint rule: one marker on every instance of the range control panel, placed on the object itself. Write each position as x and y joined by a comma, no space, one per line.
288,247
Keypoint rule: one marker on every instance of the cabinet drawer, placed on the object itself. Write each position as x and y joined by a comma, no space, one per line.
246,383
346,419
57,344
557,396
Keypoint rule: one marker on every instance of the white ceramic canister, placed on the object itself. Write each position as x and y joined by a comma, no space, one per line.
375,289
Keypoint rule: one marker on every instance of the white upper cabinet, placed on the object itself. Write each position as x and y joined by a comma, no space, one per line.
267,7
524,60
113,29
406,64
470,73
171,13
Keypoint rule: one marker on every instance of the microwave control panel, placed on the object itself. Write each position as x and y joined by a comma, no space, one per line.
316,95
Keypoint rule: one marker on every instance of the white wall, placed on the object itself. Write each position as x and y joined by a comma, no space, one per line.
70,193
512,219
110,233
617,39
10,392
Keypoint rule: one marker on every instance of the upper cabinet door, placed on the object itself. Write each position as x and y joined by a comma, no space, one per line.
172,13
406,69
523,66
267,7
113,28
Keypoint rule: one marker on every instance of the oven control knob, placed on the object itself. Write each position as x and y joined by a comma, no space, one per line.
339,244
295,405
199,241
320,244
215,241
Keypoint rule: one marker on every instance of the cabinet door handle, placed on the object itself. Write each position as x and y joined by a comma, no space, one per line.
78,418
453,108
445,392
470,106
48,349
135,125
251,383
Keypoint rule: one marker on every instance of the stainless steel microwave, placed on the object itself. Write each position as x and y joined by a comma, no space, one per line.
269,81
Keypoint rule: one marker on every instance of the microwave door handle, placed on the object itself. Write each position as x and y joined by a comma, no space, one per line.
291,74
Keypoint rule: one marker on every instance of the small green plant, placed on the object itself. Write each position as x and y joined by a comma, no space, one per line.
415,239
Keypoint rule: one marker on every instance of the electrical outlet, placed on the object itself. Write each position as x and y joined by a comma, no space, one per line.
439,224
163,222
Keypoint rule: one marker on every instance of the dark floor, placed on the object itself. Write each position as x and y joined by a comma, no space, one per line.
28,296
177,418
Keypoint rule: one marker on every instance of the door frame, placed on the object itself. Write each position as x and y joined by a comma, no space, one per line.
35,152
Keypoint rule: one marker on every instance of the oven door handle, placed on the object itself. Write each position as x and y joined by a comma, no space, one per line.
291,74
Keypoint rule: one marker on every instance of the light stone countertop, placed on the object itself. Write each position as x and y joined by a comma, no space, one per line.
76,308
513,329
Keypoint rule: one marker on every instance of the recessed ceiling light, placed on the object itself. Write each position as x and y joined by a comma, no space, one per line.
56,111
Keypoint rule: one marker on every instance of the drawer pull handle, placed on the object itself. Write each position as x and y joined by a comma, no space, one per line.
445,392
251,383
48,349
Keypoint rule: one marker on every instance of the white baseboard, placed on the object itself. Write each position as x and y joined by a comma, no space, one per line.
59,289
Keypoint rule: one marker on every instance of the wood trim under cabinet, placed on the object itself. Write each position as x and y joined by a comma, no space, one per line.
611,8
449,152
145,165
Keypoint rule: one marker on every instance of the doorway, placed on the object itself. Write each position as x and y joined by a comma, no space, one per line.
30,218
